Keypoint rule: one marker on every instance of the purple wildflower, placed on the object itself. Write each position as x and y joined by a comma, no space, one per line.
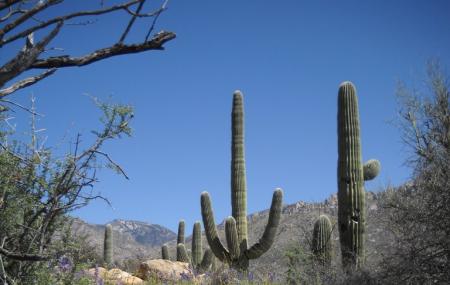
64,264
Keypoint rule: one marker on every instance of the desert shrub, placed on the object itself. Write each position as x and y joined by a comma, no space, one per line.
416,213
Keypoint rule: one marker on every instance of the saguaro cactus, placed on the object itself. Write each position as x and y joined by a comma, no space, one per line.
196,244
165,252
321,241
351,176
199,263
108,245
181,250
238,254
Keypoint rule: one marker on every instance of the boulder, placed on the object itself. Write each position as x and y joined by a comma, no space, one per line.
165,271
114,276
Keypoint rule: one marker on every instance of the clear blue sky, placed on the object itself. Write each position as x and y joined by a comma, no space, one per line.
287,57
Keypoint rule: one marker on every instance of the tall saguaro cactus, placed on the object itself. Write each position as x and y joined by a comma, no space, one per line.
238,254
108,245
321,241
351,176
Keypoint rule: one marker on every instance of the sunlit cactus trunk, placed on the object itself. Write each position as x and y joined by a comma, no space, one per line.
351,174
201,264
238,178
196,245
165,252
238,254
108,246
181,256
321,241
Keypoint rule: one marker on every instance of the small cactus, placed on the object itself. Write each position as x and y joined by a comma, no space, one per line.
198,262
108,245
196,244
165,252
182,254
180,240
321,241
351,177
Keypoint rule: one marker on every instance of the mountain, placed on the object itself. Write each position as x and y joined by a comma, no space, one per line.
142,240
132,239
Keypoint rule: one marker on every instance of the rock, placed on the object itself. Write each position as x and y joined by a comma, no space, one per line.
165,271
92,272
114,276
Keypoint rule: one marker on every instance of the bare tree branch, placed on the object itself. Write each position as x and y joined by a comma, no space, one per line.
7,3
11,13
119,49
130,24
67,17
25,82
36,9
23,256
25,59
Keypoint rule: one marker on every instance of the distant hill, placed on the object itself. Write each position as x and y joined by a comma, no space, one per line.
137,239
131,238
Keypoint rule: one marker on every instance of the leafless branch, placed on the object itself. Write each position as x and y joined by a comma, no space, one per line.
41,5
24,59
23,256
130,24
118,49
26,82
64,18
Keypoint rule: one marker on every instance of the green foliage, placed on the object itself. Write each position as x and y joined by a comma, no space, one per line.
351,193
417,213
238,253
303,267
39,189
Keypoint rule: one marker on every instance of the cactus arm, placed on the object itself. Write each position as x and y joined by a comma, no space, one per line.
182,255
210,229
207,260
232,238
165,252
196,244
268,237
238,178
108,245
180,237
371,169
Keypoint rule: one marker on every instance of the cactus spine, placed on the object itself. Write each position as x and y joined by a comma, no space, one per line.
108,245
238,254
165,252
321,241
351,176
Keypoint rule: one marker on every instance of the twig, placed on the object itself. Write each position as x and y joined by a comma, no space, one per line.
131,22
64,61
113,163
25,83
21,107
163,7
